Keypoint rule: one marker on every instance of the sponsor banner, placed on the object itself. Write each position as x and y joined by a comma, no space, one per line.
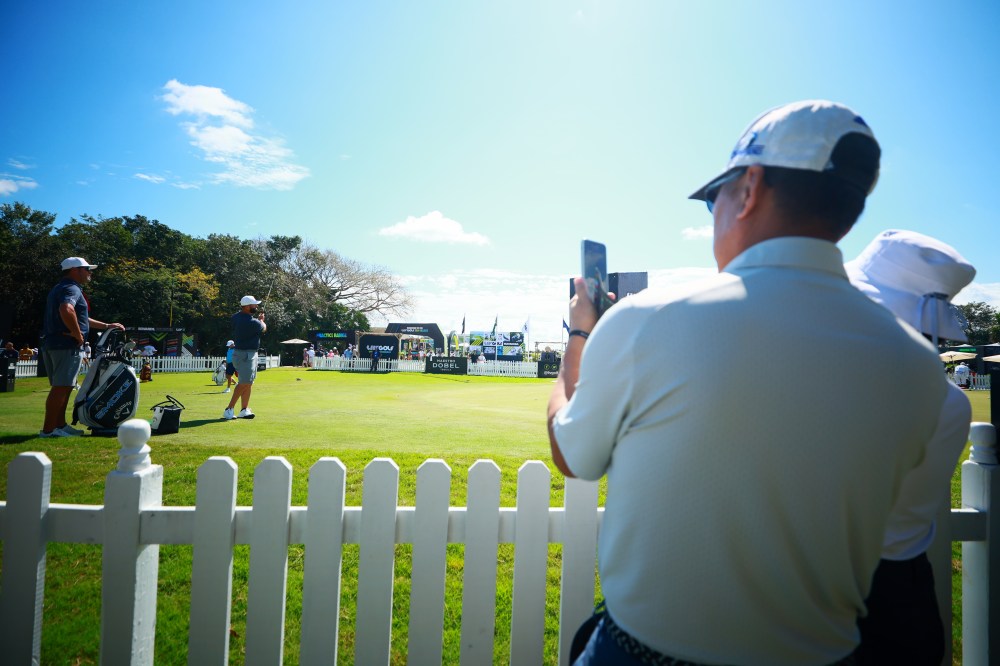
549,368
387,345
447,365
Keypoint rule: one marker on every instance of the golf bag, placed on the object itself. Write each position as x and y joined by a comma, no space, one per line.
219,377
109,394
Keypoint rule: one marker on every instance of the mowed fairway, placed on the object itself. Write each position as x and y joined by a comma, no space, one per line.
431,415
303,415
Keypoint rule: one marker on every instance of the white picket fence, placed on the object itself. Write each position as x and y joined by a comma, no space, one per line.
132,524
158,364
487,368
504,369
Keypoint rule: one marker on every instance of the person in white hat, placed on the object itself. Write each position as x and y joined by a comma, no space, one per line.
230,368
915,277
67,323
745,516
248,326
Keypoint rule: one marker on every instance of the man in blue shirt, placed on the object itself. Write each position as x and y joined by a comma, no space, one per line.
248,326
67,322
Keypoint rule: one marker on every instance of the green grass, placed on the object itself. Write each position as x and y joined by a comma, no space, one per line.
303,415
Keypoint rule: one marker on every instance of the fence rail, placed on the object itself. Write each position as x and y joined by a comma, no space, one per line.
132,524
157,363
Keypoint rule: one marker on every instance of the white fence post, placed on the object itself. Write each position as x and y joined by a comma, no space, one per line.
29,478
212,562
129,568
430,542
479,579
531,549
268,581
981,590
324,540
376,564
579,558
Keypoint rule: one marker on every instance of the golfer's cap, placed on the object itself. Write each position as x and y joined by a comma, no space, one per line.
912,274
249,300
76,262
807,135
230,343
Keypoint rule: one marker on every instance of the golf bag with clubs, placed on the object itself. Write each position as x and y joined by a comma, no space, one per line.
109,394
219,376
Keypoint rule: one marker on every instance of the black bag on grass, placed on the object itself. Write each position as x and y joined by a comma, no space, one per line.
109,394
166,416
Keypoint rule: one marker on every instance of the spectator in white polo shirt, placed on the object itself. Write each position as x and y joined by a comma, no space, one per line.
744,517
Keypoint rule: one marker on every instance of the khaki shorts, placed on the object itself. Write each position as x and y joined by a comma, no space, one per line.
245,362
62,365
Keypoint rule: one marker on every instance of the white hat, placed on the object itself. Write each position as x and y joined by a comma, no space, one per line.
249,300
76,262
803,135
230,343
915,276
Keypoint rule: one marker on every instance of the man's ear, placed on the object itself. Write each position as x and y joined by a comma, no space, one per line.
751,191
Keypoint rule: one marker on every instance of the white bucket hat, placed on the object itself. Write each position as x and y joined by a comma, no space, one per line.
915,276
803,135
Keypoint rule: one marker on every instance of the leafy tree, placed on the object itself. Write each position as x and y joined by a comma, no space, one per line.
983,322
29,266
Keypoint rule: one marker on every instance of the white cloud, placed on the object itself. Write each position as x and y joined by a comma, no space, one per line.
9,184
433,228
223,130
204,101
698,233
985,292
151,178
18,164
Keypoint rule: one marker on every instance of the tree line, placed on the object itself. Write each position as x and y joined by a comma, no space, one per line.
983,325
152,275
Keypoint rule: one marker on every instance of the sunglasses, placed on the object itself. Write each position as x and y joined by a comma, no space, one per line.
713,189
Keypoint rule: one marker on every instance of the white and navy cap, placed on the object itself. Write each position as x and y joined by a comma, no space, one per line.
916,277
76,262
249,300
807,135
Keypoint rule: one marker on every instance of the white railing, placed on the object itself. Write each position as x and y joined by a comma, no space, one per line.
977,383
132,524
158,363
504,369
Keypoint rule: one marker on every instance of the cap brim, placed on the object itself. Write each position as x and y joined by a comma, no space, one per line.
701,193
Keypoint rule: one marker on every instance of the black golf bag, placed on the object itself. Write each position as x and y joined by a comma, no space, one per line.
109,394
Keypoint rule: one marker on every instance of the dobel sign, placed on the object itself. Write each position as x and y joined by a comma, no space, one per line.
447,365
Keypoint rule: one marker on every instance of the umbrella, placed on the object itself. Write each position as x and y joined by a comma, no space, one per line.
950,356
992,359
297,341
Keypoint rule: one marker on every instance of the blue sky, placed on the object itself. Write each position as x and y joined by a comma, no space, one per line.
469,146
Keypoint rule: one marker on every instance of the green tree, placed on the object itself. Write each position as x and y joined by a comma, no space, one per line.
983,323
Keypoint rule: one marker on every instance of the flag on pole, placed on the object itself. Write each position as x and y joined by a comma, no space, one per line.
524,329
565,325
463,324
495,320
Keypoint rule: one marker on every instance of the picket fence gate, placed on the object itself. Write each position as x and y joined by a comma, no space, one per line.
132,524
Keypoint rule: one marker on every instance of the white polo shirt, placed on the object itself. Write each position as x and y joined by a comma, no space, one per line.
746,505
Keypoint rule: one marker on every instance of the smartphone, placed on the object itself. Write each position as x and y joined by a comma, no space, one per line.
594,268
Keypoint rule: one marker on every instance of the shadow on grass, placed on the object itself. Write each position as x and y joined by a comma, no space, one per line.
16,439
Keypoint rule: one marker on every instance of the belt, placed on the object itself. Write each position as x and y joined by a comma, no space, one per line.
647,655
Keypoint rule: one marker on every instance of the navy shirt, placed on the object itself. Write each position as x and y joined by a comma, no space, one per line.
246,331
56,332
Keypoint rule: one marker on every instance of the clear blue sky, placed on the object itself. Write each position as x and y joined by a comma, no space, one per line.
468,146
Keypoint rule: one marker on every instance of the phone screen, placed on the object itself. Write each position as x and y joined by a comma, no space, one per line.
594,268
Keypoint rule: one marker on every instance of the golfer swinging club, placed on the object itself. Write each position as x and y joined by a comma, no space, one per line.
248,326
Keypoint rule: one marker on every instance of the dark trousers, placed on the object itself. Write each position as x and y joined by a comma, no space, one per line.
903,625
